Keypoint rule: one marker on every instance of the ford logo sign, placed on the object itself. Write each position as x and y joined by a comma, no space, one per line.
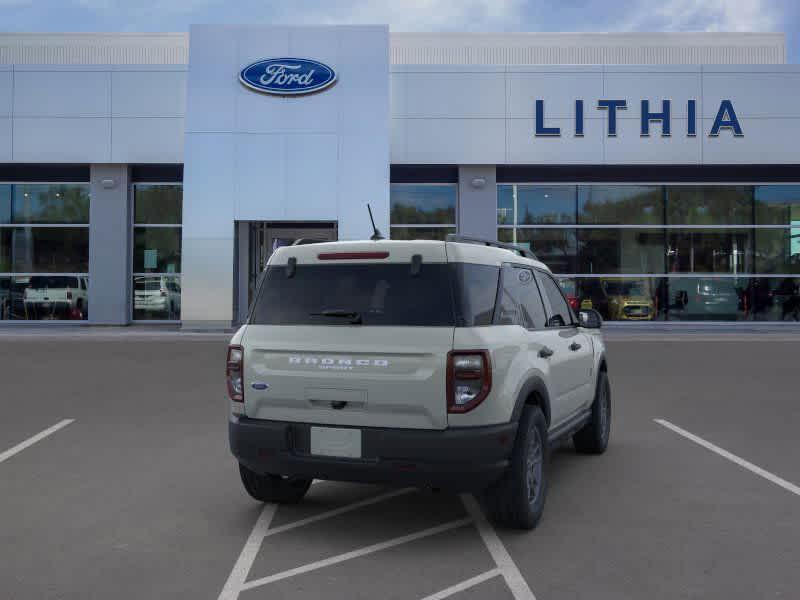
287,76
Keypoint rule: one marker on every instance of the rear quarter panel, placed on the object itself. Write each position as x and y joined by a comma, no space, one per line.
514,362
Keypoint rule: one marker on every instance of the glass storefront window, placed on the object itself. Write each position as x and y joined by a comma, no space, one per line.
620,298
44,297
620,251
156,297
157,232
158,204
775,299
557,248
536,204
709,205
157,250
620,204
778,205
708,299
44,250
44,204
778,250
421,233
710,251
415,205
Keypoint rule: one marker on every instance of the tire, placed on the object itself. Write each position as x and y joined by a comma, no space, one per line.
593,437
273,488
517,500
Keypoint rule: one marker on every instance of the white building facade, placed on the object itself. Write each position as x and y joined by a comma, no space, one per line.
143,179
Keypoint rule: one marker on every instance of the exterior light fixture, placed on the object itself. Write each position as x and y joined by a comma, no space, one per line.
478,182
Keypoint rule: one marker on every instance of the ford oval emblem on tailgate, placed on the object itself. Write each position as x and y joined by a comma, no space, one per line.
287,76
258,385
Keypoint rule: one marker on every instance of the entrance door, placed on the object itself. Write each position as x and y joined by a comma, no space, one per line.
263,239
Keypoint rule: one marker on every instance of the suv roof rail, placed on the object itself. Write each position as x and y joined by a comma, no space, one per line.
452,237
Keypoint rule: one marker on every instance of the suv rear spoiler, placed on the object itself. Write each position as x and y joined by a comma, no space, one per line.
452,237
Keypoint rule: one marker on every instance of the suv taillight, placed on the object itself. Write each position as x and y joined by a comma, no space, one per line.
469,379
234,373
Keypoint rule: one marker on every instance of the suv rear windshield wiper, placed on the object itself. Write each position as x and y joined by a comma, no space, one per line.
355,317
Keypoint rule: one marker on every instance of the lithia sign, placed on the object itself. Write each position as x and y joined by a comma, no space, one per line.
725,120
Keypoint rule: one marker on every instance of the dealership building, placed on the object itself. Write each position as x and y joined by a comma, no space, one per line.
148,177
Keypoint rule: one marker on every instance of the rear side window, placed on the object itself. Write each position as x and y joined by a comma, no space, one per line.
558,305
379,294
520,302
475,291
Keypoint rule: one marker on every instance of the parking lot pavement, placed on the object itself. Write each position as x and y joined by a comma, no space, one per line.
137,496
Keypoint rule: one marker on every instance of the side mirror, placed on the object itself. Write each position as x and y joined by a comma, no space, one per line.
590,319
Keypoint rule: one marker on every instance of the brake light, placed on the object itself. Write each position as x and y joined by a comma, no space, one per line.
234,373
469,379
352,255
574,302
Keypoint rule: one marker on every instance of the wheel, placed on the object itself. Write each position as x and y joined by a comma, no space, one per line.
593,437
517,500
273,488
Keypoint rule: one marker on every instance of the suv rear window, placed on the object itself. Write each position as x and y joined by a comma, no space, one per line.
380,294
446,295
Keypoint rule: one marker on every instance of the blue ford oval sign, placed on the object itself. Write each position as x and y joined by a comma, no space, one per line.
287,76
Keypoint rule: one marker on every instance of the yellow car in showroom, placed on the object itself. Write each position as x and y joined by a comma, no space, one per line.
629,299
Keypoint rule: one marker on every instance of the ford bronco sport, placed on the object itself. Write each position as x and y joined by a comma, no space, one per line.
451,364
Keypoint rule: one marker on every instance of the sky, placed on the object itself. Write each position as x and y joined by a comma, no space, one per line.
414,15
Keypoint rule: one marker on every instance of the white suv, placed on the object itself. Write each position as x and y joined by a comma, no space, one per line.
454,365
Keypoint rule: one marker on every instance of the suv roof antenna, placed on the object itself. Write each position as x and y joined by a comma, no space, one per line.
376,234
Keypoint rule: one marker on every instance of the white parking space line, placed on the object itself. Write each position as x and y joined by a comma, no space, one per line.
339,511
245,561
356,553
464,585
790,487
33,439
506,565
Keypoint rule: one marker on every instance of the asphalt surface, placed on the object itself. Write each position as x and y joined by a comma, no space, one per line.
139,498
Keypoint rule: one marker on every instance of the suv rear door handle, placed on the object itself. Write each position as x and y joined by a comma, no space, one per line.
574,346
545,352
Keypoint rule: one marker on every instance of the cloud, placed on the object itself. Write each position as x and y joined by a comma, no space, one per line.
705,15
414,15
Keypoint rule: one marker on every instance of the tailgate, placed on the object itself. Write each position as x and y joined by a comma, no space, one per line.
347,375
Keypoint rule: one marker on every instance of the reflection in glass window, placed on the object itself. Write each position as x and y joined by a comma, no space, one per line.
157,250
777,205
778,250
623,298
620,204
158,204
421,233
709,205
708,299
44,249
774,299
156,297
557,248
44,265
45,204
535,204
415,204
157,214
620,251
710,250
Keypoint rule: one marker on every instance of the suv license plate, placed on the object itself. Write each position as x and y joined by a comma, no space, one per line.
333,441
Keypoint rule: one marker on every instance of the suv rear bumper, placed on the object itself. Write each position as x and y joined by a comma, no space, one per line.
458,459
